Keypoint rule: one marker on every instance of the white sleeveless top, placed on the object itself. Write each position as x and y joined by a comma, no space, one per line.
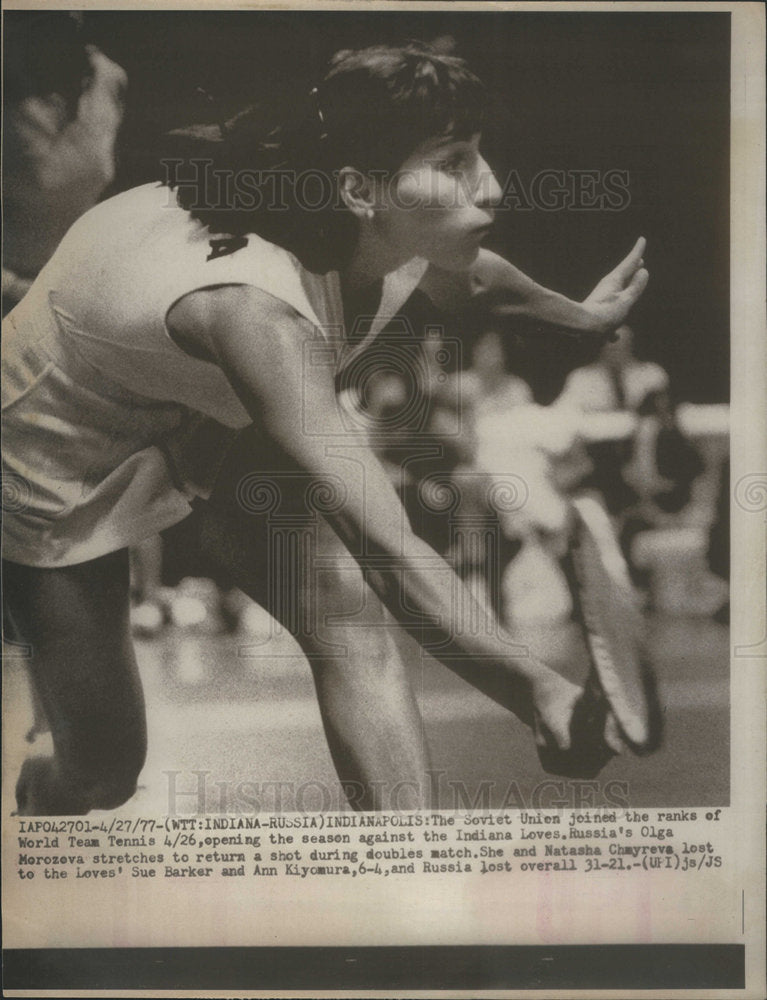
104,416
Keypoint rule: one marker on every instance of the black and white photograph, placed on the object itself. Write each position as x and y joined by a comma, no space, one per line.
375,389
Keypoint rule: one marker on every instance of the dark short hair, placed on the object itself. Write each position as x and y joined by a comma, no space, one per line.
371,110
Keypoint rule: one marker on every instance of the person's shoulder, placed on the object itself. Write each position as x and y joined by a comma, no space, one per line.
217,309
466,383
585,375
651,373
582,388
129,211
653,368
153,194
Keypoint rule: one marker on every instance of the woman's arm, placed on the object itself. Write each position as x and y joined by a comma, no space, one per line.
261,344
495,287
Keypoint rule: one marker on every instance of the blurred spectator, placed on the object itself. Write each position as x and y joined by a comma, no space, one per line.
615,383
526,456
644,467
63,108
488,386
617,380
539,448
643,459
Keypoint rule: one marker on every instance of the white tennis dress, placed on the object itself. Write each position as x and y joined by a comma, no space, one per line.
109,428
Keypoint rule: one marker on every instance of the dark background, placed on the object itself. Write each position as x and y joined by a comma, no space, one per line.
642,92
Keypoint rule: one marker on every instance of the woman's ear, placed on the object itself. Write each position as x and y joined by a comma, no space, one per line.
357,192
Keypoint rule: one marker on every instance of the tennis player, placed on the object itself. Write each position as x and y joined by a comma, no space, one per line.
158,366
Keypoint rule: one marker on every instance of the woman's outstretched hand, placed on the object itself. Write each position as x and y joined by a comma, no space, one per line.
614,296
554,699
575,733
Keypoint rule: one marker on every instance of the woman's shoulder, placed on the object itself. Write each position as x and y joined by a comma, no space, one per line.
219,306
145,198
147,228
131,221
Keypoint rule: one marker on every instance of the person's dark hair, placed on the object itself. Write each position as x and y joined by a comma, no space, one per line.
371,110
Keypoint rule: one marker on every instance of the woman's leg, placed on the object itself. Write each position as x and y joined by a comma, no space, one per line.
76,620
372,722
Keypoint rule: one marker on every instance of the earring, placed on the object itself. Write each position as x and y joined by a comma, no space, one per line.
368,213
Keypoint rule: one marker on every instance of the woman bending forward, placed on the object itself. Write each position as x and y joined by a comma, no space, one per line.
180,352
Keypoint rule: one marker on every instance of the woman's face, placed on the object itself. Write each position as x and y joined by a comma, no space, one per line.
440,204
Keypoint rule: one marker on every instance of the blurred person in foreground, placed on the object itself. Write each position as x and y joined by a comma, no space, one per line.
62,109
63,105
